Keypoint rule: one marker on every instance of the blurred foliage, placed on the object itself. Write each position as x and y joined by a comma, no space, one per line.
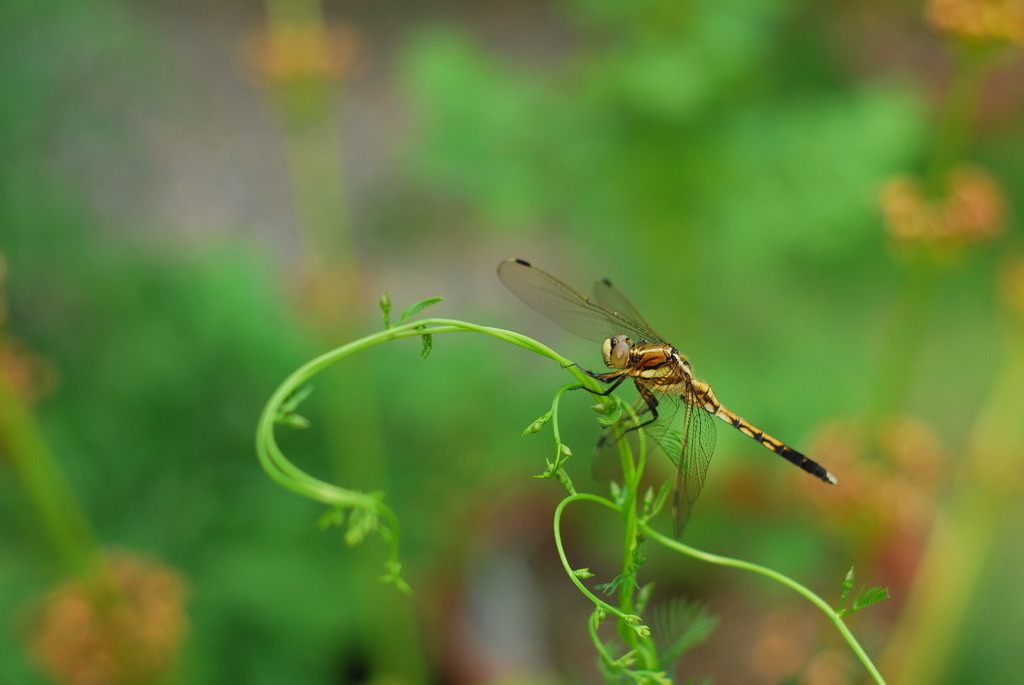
720,160
153,425
162,360
639,142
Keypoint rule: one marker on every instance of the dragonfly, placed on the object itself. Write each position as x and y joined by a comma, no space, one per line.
663,378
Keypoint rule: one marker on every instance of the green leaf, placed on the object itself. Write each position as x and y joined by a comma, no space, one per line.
286,414
653,677
648,498
332,518
618,492
293,421
428,345
679,626
847,586
361,522
566,482
385,309
868,597
652,509
610,411
637,624
419,307
539,423
551,472
639,551
644,596
583,573
393,575
617,582
297,397
864,598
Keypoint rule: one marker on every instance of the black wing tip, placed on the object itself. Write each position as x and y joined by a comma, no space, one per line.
513,261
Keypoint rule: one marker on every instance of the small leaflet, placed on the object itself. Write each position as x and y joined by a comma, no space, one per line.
419,307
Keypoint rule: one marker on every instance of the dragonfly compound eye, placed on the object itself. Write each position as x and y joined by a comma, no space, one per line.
616,351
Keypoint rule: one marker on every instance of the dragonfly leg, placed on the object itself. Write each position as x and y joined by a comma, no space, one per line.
599,376
614,377
652,406
609,437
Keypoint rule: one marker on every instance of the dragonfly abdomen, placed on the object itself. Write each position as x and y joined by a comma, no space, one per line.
713,406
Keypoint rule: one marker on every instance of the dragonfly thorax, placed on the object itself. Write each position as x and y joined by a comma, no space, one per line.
616,351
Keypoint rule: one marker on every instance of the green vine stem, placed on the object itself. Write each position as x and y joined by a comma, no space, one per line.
810,596
576,574
62,517
637,623
365,513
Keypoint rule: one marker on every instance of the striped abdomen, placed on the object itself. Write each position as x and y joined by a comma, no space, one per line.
706,397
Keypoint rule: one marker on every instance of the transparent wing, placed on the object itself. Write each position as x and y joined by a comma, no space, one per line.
690,444
606,293
568,307
605,461
684,432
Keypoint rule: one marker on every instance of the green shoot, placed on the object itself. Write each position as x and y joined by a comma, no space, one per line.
865,598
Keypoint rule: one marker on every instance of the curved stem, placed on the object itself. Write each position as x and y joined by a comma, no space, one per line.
286,473
367,508
635,621
780,578
557,524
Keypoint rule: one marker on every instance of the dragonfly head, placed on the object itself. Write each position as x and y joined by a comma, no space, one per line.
616,351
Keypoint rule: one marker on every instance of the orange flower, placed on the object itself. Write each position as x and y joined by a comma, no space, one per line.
973,209
129,634
978,19
294,53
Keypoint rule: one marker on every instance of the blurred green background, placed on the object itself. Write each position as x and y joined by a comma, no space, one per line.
196,198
